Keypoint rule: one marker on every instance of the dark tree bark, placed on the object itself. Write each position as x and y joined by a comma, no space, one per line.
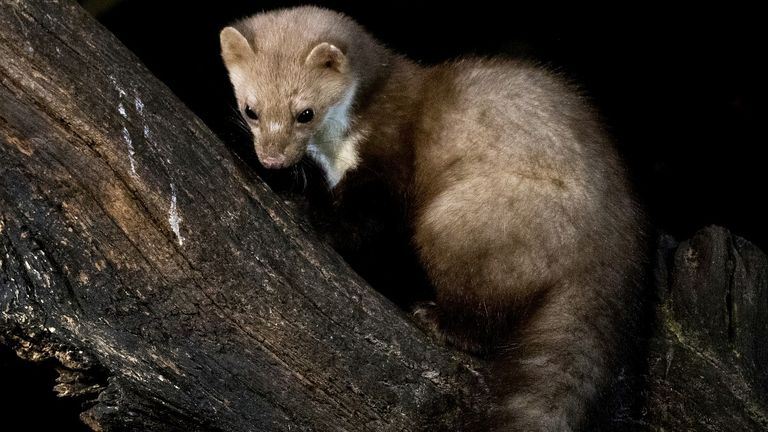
708,358
169,284
177,293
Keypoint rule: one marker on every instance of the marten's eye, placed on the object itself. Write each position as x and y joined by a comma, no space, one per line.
305,116
251,113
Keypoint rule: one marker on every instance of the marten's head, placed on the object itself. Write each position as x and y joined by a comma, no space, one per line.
292,80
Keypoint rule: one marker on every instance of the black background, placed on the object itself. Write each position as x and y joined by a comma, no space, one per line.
681,89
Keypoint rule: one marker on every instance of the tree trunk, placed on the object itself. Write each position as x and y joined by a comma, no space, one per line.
177,293
165,279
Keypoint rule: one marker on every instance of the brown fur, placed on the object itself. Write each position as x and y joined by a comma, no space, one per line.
517,202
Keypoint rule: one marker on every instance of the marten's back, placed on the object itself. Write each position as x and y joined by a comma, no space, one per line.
521,147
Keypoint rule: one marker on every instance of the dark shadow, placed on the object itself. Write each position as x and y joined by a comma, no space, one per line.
27,399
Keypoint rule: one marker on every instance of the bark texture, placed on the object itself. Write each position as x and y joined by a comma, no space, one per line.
708,358
171,286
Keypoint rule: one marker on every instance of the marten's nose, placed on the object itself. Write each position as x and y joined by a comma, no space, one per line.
273,162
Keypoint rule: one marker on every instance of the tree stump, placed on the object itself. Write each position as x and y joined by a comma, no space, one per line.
708,358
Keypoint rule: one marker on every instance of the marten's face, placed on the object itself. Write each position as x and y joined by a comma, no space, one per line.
288,100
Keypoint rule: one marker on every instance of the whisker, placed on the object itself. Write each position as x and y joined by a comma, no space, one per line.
240,125
295,175
237,119
303,176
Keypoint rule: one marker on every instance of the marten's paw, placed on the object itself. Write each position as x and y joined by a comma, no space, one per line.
427,316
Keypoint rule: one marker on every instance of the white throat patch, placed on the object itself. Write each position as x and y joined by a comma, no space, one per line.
333,147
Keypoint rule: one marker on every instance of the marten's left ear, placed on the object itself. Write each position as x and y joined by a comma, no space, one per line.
325,55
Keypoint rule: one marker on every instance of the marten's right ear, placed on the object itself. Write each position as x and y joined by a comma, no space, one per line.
325,55
234,48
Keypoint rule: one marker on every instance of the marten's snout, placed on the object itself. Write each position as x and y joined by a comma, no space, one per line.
277,152
273,158
274,162
280,139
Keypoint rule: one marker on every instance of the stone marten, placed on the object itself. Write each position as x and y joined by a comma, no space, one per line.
516,202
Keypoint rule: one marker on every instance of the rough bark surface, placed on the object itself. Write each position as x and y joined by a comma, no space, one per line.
708,358
171,286
177,293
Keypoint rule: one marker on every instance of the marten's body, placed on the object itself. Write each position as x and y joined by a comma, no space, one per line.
517,203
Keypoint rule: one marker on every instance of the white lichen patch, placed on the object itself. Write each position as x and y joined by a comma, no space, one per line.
36,276
173,217
131,150
117,87
121,110
124,113
431,375
139,104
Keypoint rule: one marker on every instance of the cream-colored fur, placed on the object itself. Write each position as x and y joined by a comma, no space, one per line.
518,205
332,146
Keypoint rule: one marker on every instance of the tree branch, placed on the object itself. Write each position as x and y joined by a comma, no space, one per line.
167,280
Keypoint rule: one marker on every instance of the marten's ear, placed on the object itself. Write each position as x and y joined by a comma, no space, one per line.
234,48
325,55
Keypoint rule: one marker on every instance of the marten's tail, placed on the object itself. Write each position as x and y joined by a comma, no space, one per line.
564,357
